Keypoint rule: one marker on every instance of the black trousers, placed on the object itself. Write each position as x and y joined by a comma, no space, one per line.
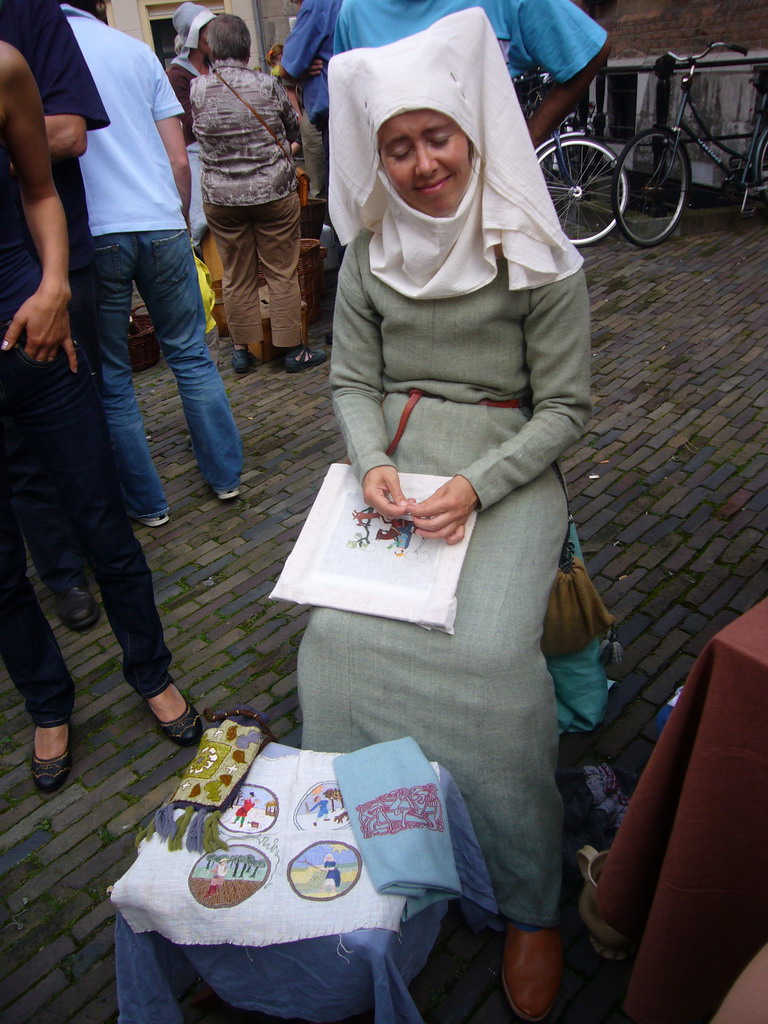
50,541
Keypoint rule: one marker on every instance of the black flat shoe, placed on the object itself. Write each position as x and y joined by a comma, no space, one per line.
186,729
51,775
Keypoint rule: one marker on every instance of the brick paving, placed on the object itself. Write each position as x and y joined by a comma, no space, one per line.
669,490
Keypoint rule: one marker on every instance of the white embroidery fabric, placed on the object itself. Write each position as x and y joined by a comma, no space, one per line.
292,871
350,557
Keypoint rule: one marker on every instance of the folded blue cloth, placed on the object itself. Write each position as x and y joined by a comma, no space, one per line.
398,816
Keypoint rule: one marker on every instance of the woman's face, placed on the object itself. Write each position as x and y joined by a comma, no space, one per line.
202,41
427,158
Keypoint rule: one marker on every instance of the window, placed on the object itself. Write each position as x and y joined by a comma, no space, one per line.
622,105
163,36
157,23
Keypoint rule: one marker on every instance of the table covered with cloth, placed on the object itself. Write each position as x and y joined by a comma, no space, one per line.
688,870
316,979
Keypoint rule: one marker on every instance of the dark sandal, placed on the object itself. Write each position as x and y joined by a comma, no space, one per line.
186,729
304,359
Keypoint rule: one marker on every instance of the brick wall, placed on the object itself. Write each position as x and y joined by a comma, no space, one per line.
642,27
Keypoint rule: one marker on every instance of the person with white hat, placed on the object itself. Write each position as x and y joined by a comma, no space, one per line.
191,21
461,328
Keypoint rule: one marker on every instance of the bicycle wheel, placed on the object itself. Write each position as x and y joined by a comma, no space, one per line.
580,186
761,166
658,182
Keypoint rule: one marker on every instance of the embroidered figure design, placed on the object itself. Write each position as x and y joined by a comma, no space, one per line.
398,531
254,811
324,871
226,879
321,805
390,813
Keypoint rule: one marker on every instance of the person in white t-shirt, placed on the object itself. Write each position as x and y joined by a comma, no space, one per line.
137,183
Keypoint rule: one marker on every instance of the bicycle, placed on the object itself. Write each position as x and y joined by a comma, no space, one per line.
657,165
578,170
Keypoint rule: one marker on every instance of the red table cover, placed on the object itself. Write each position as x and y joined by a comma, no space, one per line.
688,870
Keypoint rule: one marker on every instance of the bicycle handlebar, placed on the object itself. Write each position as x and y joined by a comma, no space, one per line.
693,58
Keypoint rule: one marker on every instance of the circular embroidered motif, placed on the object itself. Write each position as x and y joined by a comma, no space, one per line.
324,871
321,806
228,877
209,757
256,810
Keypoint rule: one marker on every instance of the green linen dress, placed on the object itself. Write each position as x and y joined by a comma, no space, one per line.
480,702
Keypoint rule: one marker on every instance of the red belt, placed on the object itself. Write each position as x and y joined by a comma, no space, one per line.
415,394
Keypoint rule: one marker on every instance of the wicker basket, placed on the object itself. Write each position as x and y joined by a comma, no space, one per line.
143,348
311,277
313,218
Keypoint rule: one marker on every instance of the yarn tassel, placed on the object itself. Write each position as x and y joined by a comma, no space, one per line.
611,651
174,843
195,831
211,839
145,833
165,821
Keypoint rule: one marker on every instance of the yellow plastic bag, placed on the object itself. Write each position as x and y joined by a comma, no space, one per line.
206,291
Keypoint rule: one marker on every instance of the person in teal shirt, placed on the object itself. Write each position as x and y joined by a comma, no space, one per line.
553,34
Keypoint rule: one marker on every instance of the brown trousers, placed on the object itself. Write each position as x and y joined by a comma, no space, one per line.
271,231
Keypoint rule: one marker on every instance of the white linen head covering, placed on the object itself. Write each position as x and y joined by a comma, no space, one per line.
188,19
456,68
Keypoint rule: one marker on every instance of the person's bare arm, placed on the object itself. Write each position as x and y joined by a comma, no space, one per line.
172,136
289,84
747,1001
44,314
67,136
563,98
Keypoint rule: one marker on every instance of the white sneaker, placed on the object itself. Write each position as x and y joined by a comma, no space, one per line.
228,495
151,520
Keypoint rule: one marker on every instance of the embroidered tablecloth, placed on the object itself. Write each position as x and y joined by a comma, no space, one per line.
317,979
292,869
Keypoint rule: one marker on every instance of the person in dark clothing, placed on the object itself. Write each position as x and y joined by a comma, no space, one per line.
47,389
72,106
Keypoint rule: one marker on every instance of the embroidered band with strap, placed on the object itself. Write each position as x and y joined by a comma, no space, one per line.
415,394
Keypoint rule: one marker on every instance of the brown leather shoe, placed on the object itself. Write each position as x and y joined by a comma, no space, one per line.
532,971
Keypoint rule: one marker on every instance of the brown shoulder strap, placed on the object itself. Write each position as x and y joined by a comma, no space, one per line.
255,114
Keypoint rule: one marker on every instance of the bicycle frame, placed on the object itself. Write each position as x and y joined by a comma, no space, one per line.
562,163
748,177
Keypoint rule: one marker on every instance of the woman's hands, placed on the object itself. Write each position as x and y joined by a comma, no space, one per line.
441,516
44,314
44,317
445,512
381,489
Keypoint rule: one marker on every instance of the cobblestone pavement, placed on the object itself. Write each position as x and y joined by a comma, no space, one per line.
669,487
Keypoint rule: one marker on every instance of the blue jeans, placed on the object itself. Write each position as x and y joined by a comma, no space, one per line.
161,264
61,419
